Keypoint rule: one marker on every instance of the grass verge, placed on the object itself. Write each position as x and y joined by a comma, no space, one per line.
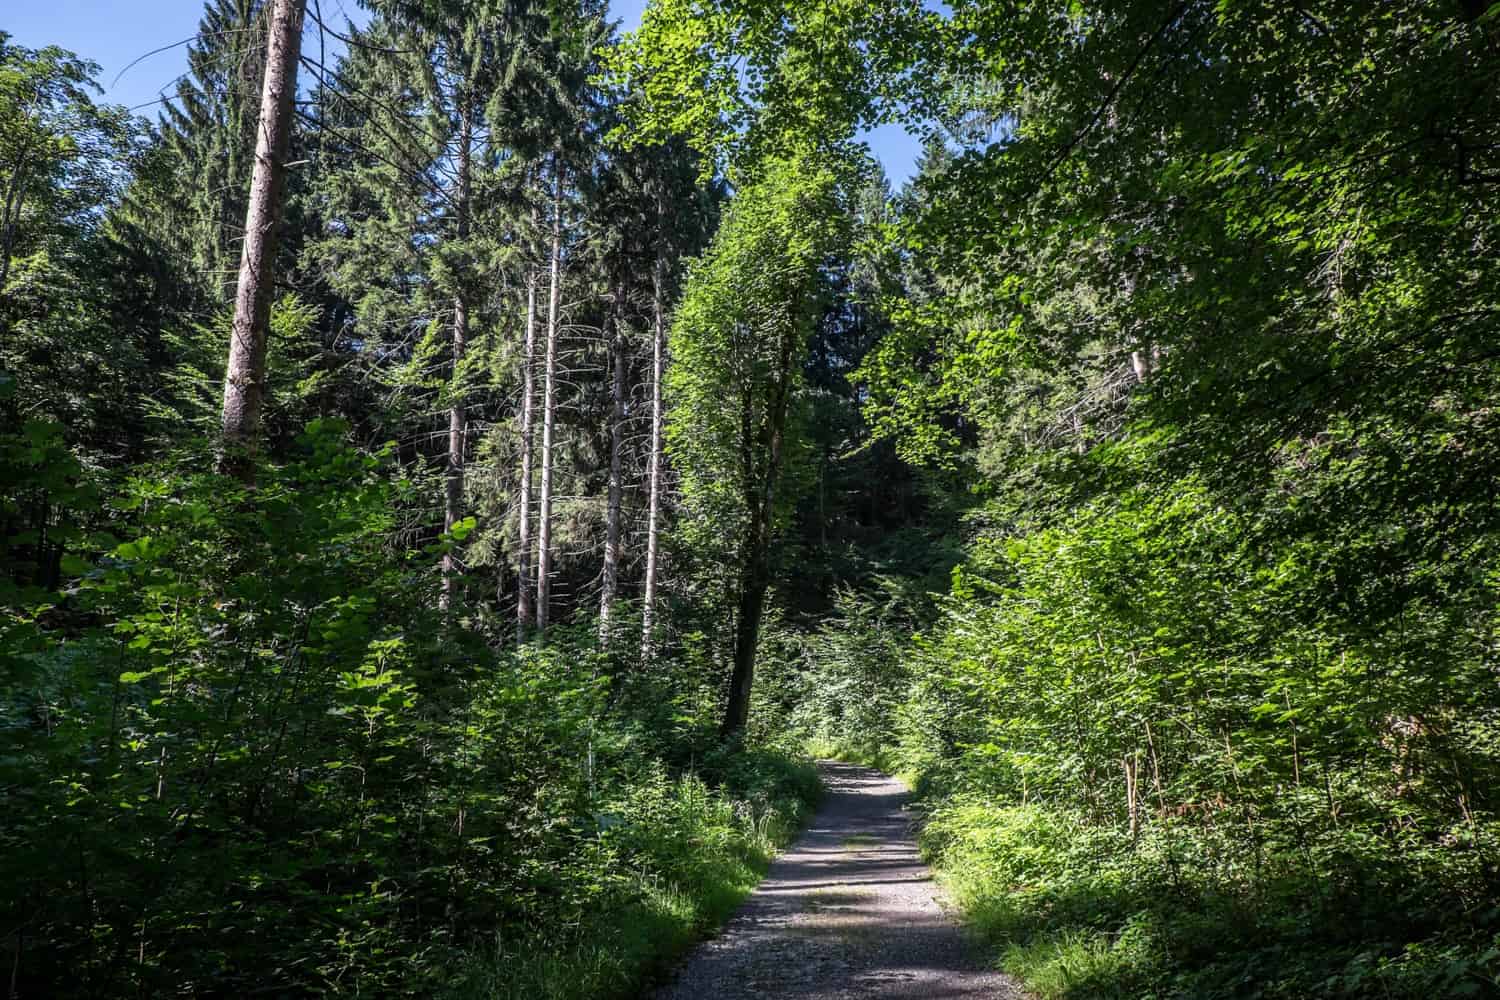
1083,912
675,857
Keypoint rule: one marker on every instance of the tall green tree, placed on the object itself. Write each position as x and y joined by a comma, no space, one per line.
738,342
409,106
69,342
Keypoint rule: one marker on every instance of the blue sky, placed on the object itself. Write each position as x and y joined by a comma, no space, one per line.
113,33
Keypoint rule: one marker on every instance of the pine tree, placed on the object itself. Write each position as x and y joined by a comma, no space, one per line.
682,214
415,214
549,403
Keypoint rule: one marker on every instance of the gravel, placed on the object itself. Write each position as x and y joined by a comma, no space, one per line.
849,911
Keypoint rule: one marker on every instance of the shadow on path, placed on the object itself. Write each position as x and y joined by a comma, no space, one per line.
850,911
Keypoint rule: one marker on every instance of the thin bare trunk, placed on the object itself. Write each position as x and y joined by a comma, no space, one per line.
245,377
610,589
653,516
549,411
528,392
458,417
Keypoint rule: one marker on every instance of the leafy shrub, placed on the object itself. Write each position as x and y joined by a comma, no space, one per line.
1076,910
241,754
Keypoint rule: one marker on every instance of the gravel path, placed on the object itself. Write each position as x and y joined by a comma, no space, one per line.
850,911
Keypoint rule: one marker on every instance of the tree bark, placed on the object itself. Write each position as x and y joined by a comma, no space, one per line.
528,392
653,516
610,589
1140,365
458,417
549,410
245,377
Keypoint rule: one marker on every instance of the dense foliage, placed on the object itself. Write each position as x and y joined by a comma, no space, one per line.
254,739
1126,480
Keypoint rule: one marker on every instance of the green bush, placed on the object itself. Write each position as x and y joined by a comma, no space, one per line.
243,751
1077,910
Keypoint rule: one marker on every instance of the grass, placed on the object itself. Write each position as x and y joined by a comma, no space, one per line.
1082,912
623,951
684,856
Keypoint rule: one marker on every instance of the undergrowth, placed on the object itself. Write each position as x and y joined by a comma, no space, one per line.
680,856
1079,911
241,753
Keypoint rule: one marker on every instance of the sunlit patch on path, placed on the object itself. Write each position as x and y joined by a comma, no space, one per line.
850,911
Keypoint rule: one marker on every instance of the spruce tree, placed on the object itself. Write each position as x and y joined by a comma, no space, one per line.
209,125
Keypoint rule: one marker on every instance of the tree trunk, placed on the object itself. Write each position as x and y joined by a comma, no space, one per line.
528,392
653,516
760,500
754,581
1132,794
549,410
11,211
245,377
458,417
609,591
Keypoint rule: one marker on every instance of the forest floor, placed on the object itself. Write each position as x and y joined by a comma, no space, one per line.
849,911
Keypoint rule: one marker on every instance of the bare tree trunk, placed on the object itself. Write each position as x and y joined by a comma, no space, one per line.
1142,361
653,516
458,417
549,410
528,392
245,377
611,585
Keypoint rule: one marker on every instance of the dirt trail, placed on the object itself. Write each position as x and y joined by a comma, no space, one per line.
850,911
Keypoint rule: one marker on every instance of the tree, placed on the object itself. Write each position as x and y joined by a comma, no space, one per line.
618,364
680,214
549,403
79,324
738,341
578,34
657,454
524,609
57,150
418,216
